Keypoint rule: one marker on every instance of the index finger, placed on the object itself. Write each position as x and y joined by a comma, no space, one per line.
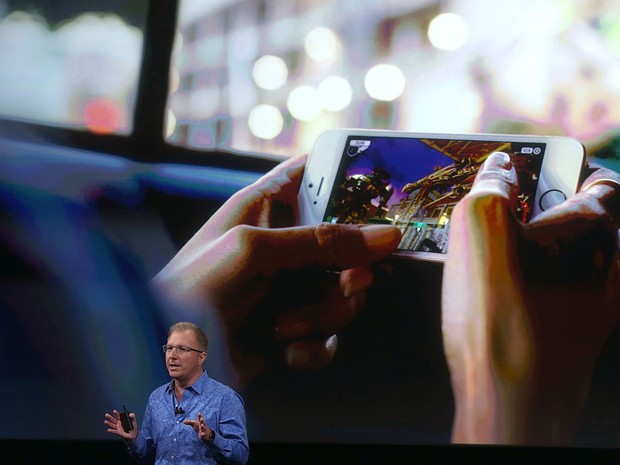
325,244
496,176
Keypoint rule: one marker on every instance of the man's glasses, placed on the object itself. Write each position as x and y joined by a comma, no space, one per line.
181,349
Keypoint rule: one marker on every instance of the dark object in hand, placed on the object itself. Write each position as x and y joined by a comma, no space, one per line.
125,420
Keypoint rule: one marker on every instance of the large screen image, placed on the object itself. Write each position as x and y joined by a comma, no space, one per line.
81,330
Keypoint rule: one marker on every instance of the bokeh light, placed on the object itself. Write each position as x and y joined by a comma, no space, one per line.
322,44
265,121
304,103
171,124
335,93
102,116
270,72
448,31
385,82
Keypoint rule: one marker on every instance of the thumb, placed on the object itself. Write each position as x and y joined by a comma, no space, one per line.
324,244
192,423
251,204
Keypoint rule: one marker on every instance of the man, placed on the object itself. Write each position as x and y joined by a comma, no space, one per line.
192,419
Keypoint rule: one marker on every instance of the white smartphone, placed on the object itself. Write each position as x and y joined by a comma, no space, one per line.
414,180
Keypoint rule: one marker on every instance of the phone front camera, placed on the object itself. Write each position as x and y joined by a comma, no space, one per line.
353,150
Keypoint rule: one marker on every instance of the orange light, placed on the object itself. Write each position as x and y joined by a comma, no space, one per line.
102,116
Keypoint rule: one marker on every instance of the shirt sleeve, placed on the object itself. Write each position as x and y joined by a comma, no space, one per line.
231,438
142,450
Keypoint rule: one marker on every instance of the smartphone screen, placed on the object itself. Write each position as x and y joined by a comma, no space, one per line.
415,183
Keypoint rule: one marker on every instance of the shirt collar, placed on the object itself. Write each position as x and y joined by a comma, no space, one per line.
199,385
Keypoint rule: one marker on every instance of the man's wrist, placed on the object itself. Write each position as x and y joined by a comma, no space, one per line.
129,442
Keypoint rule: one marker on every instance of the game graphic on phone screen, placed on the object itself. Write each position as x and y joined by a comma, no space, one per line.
415,183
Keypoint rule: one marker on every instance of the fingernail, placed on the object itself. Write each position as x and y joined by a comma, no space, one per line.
297,357
382,237
356,301
349,288
352,282
497,160
292,327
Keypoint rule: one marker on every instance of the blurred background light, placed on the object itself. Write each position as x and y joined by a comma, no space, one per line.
322,44
385,82
79,73
171,123
270,72
243,44
175,80
102,116
203,103
448,31
335,93
304,103
536,66
265,121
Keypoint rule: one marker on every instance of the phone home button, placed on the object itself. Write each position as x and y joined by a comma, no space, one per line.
551,198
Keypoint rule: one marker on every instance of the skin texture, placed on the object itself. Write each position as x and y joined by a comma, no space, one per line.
238,270
527,308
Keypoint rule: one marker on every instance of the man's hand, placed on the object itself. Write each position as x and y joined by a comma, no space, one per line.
115,426
199,425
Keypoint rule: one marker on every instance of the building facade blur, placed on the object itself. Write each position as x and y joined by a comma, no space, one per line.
270,75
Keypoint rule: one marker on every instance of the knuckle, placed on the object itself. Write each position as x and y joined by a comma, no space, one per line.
324,233
246,240
327,238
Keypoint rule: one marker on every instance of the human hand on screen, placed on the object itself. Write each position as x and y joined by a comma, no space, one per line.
115,426
249,269
527,308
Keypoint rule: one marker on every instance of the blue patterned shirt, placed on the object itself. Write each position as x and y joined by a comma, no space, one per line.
164,439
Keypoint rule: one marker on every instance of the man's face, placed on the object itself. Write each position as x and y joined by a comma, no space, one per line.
186,367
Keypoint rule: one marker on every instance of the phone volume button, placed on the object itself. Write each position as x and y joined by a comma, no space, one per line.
318,191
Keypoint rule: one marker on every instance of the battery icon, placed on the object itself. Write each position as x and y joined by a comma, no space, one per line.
527,150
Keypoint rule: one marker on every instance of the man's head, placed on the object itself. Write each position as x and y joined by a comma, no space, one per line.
186,352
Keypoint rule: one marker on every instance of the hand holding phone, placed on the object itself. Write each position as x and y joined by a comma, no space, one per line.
528,286
414,180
